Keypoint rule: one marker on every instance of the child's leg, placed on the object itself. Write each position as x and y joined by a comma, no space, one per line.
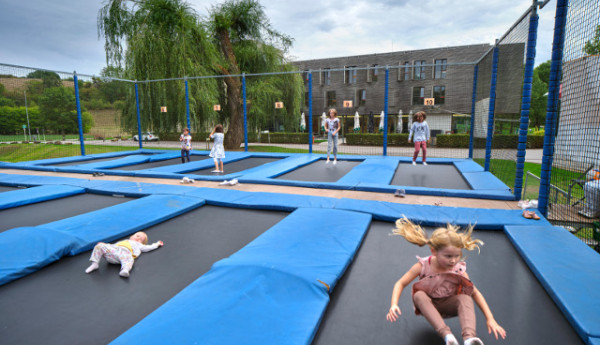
429,311
329,144
182,155
417,149
461,305
108,251
335,146
221,162
424,147
187,155
216,164
126,260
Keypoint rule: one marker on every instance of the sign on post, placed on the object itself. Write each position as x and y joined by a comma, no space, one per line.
278,105
347,104
217,107
429,101
24,126
163,109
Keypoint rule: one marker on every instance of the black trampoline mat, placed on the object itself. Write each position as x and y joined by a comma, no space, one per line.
431,176
7,189
88,161
61,304
157,164
361,300
320,171
237,166
53,210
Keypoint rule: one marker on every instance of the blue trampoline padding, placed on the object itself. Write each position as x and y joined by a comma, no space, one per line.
467,165
117,162
115,222
484,180
36,194
26,250
378,170
266,293
282,167
593,341
35,180
568,269
485,219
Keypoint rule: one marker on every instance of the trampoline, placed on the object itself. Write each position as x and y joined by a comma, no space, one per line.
60,304
7,189
157,164
79,162
320,171
52,210
236,166
431,176
359,303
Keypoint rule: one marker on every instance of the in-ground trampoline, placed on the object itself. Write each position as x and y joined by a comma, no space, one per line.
236,166
87,161
7,189
430,176
320,171
157,164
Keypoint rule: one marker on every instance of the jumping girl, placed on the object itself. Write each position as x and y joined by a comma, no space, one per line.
420,128
332,126
218,150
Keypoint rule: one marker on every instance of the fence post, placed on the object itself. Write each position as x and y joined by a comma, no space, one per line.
245,112
79,122
526,101
560,22
139,122
492,107
473,102
385,109
310,119
187,103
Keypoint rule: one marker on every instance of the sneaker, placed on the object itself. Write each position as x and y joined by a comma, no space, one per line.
335,162
424,163
215,171
327,161
414,163
224,183
401,193
473,341
233,182
450,339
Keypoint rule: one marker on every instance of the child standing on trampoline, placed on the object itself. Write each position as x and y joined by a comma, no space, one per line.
332,126
218,150
123,252
420,129
444,288
186,145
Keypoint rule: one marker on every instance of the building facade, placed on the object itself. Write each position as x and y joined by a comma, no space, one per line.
442,74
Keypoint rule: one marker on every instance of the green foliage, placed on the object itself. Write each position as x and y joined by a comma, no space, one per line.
279,138
452,140
49,79
13,118
59,113
376,139
543,71
592,47
500,141
539,100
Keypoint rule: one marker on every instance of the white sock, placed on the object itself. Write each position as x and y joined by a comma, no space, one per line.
473,341
450,339
94,266
124,273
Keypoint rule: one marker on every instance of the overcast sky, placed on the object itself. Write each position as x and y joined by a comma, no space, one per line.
62,34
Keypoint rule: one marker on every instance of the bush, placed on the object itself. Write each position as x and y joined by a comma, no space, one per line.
453,140
376,139
278,138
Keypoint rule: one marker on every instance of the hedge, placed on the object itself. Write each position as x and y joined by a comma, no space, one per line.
279,138
372,139
501,141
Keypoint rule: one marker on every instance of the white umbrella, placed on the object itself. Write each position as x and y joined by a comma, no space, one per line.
381,121
409,120
356,122
323,118
302,122
399,126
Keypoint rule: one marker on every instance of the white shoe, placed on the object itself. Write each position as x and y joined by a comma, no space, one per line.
450,339
414,163
233,182
335,162
215,171
424,163
224,183
473,341
327,161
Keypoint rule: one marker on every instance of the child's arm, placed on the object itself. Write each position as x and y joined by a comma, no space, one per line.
326,126
492,325
150,247
213,132
408,277
339,126
428,132
410,133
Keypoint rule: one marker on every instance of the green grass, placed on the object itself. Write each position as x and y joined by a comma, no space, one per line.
29,152
278,149
49,137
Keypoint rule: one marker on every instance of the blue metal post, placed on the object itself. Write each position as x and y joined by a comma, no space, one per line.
473,102
245,112
385,110
137,106
560,22
187,104
526,101
310,119
79,122
490,131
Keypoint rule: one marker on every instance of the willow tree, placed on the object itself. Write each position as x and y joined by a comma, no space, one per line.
160,39
247,43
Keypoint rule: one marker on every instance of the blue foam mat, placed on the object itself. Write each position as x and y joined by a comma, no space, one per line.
567,268
268,292
36,194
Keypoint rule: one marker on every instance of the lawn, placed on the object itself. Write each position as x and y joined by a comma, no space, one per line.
47,137
30,152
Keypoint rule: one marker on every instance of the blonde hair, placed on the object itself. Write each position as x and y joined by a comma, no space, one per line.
417,114
334,112
451,235
145,236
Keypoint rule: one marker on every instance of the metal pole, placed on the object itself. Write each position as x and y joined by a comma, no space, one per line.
245,113
139,121
79,122
27,113
310,119
187,104
526,101
560,22
385,110
473,102
490,131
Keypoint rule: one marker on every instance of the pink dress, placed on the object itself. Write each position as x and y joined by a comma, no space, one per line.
440,285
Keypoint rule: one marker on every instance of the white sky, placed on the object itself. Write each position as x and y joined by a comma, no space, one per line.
62,34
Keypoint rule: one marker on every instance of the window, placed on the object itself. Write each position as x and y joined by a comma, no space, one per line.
418,96
350,75
331,101
440,69
375,73
407,71
419,70
361,95
326,75
439,93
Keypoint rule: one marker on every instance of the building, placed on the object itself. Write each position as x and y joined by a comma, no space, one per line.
444,74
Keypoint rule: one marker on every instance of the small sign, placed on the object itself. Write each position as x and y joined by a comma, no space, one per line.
217,107
278,105
429,101
163,109
24,126
347,104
